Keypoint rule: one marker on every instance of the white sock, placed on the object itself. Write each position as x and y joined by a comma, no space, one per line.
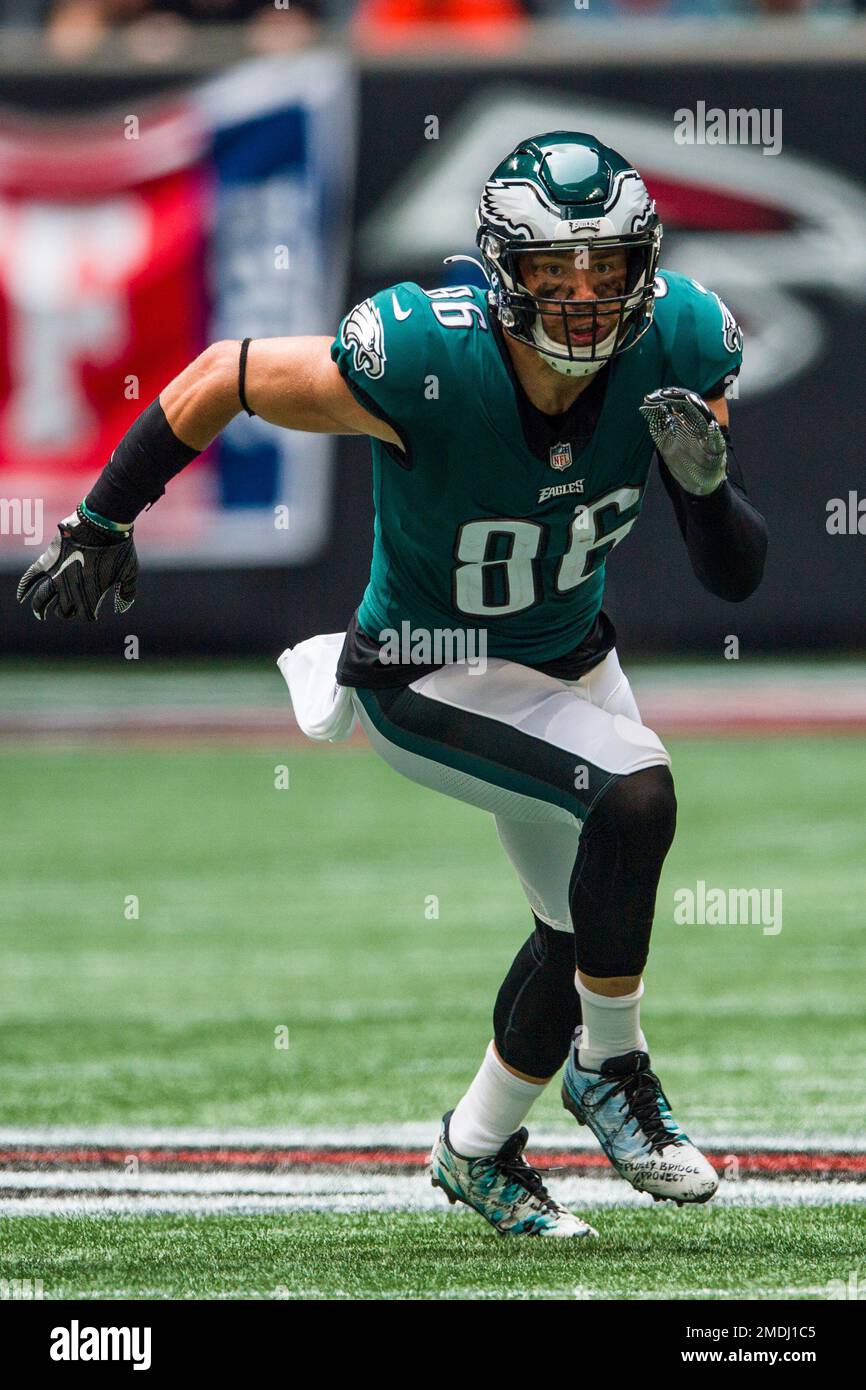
495,1105
610,1026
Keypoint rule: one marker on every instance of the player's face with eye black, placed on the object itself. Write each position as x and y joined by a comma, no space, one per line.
576,276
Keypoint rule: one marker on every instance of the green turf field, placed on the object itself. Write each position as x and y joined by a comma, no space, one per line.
307,909
707,1253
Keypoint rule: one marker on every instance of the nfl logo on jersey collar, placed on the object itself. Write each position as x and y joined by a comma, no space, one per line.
560,456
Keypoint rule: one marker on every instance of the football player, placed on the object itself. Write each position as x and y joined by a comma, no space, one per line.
513,429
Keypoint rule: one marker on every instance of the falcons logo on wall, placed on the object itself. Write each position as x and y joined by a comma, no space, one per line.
733,220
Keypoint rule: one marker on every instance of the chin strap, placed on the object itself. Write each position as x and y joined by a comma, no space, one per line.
547,349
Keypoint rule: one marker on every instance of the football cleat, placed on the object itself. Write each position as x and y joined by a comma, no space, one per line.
502,1188
628,1112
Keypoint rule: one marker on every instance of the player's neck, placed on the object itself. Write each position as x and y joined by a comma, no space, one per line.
549,391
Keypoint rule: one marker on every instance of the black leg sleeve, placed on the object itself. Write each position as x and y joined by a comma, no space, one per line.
616,874
538,1007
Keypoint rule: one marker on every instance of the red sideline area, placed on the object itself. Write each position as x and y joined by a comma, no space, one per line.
249,732
763,1162
677,707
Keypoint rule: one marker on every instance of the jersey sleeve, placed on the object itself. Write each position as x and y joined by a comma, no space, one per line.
386,352
707,348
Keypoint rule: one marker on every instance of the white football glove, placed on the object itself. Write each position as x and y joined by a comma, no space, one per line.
688,436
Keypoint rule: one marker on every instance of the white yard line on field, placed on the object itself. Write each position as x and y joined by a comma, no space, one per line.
108,1192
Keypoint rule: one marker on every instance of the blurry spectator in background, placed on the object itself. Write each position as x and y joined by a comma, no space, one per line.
683,9
159,27
393,18
78,25
639,9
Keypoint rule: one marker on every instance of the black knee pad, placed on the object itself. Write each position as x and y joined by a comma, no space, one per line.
613,886
642,808
538,1008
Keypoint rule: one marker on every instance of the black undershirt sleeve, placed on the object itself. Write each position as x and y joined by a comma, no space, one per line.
725,535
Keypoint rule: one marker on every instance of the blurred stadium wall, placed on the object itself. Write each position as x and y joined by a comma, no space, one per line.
151,205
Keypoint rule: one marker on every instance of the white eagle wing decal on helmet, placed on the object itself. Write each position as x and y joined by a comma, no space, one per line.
516,208
630,202
363,332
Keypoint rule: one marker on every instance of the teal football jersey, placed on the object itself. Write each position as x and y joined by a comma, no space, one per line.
472,529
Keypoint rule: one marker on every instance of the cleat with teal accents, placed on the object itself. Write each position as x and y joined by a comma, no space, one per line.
628,1112
503,1188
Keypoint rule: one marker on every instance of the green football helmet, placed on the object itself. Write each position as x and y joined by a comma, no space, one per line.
565,191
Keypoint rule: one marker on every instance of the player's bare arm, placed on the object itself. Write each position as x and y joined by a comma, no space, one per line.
290,382
293,382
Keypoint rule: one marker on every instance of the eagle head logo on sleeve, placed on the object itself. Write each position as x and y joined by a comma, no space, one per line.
364,334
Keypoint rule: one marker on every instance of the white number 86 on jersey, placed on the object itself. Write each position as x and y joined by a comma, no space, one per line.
487,582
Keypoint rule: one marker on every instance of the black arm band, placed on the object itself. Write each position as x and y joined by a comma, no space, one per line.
147,457
725,535
242,374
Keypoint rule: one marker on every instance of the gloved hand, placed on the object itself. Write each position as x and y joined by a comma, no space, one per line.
688,436
84,561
